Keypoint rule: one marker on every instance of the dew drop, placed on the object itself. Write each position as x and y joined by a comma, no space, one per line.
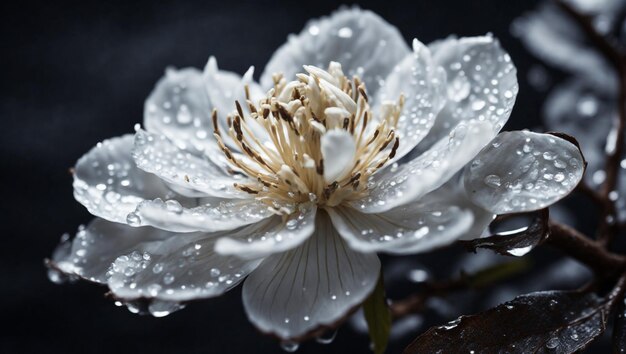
289,347
326,337
552,343
133,219
492,181
174,206
168,278
345,32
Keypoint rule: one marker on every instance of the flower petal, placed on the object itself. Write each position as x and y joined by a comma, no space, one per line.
412,228
399,185
423,85
339,151
180,109
481,84
276,236
109,184
214,215
156,154
152,263
523,171
315,284
224,88
364,44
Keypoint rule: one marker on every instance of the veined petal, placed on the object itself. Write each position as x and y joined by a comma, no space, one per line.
523,171
339,151
423,85
481,84
364,44
399,185
412,228
109,184
156,154
315,284
277,235
214,215
152,263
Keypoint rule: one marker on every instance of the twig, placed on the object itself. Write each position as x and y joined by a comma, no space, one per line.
480,279
587,251
416,302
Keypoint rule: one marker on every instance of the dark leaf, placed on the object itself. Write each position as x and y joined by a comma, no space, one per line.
516,243
542,322
619,328
378,317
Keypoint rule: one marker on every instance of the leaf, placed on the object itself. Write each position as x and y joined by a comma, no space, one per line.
378,317
542,322
517,243
619,328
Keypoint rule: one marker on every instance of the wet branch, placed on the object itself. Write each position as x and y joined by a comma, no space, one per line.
570,241
587,251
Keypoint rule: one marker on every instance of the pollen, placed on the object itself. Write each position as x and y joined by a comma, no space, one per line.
280,139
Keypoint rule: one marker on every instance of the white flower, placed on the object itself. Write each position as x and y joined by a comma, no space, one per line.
295,183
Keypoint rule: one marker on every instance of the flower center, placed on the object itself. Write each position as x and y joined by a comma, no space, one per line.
282,139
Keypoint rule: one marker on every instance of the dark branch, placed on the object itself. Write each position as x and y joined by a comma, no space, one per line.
587,251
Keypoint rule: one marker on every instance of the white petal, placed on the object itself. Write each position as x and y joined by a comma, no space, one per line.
523,171
109,184
276,236
156,154
214,215
339,151
423,85
315,284
399,185
224,88
179,108
364,44
412,228
152,263
481,84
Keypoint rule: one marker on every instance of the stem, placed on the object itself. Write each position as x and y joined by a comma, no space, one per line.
587,251
416,302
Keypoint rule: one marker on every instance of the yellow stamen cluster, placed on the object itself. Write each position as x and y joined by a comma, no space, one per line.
280,138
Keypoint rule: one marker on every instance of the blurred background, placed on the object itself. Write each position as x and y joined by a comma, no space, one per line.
77,72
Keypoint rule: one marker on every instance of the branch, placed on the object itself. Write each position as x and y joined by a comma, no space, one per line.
587,251
482,278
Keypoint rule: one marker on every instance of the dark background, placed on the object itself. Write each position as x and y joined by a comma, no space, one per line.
74,73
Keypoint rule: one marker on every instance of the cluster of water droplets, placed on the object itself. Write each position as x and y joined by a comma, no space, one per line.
542,170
